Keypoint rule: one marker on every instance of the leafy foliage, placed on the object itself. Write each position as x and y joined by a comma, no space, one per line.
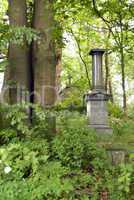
72,166
75,147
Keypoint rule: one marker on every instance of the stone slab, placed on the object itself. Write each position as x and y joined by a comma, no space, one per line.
97,112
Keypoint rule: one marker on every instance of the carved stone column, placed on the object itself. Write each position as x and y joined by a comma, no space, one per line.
97,99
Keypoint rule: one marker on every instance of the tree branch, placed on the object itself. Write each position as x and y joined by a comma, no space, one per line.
105,21
81,57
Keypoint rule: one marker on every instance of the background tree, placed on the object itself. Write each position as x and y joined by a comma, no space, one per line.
116,15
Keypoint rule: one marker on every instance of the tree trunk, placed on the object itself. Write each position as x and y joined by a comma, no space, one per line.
58,71
107,70
44,57
111,90
123,78
108,84
17,73
122,60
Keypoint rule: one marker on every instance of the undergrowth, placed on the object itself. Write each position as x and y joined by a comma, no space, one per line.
68,166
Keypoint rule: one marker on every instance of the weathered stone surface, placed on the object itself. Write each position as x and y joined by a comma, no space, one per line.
97,72
97,99
117,156
98,112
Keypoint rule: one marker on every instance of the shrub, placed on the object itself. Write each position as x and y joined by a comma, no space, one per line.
115,110
7,135
75,147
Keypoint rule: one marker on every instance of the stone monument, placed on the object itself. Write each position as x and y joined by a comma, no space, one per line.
97,99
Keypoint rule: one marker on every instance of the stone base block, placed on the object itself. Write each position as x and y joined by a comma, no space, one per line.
102,129
117,156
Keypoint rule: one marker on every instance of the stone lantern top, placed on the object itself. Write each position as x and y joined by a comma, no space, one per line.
97,51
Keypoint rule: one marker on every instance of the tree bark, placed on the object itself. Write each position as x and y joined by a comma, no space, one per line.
108,84
58,71
122,60
111,90
123,79
107,71
44,56
16,79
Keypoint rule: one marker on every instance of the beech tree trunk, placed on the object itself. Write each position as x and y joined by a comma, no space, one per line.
16,82
44,56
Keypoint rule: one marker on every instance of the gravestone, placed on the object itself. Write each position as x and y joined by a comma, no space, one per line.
97,99
117,156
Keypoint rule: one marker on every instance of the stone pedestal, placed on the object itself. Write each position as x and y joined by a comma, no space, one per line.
117,156
97,112
97,99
